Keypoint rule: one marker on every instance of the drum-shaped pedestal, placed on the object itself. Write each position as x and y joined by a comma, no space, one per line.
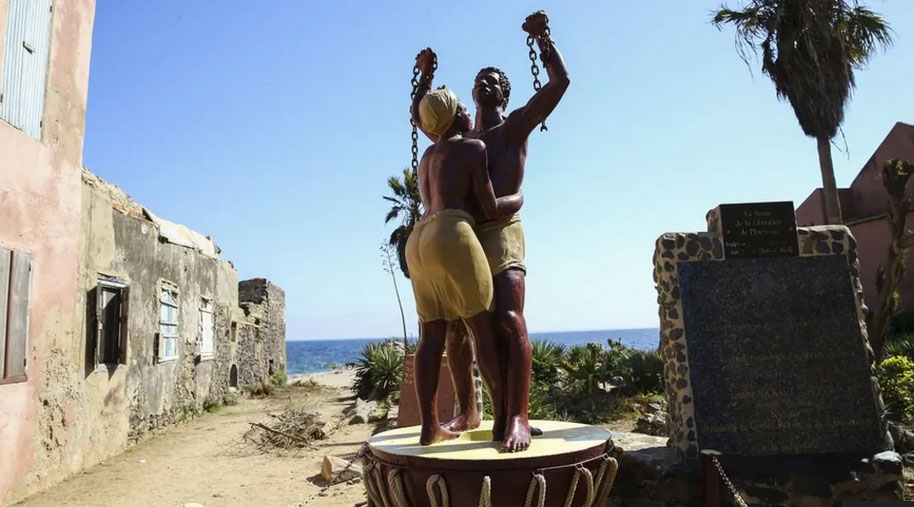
569,460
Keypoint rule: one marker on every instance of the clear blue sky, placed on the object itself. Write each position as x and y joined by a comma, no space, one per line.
272,126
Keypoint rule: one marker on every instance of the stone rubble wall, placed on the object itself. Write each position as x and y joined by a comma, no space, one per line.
673,248
653,475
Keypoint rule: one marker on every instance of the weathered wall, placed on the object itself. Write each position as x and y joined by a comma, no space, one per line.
151,392
873,248
40,214
263,331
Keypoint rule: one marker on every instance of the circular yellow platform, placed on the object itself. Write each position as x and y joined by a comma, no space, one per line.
401,445
569,464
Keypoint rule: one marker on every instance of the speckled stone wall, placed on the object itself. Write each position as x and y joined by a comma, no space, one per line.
674,248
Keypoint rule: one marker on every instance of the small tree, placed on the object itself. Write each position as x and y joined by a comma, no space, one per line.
388,265
895,176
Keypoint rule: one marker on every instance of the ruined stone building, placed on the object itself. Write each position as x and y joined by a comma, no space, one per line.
113,321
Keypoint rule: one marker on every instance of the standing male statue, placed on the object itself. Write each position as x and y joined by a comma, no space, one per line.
450,275
503,239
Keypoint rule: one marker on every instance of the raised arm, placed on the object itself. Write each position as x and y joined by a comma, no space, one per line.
426,61
485,194
526,118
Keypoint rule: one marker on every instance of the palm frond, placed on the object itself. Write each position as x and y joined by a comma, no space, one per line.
393,213
866,32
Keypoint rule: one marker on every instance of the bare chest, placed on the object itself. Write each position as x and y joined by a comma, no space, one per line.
506,160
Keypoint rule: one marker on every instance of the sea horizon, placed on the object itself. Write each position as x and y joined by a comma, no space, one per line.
531,333
321,355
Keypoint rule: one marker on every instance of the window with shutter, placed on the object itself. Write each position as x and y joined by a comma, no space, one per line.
168,323
206,328
15,283
25,64
110,321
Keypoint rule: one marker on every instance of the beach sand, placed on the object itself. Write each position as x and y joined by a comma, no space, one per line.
208,462
340,379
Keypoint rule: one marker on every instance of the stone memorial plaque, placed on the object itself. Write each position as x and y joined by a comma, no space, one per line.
759,229
776,357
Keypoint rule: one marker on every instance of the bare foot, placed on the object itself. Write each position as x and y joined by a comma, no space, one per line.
517,435
463,422
435,434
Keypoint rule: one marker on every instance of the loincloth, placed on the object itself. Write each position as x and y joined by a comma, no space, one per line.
503,242
448,268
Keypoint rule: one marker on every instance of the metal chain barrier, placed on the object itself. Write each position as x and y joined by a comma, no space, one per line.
730,486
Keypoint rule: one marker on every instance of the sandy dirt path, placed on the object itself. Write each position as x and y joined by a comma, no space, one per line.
207,462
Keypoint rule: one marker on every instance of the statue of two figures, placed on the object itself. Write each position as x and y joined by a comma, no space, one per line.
466,255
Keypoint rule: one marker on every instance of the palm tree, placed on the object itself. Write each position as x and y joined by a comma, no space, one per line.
407,205
810,49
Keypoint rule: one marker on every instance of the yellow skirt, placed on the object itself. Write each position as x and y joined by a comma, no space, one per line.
448,269
503,242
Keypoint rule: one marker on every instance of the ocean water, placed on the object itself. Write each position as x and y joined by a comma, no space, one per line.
311,356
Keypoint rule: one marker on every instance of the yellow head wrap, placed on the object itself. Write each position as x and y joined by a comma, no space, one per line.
437,110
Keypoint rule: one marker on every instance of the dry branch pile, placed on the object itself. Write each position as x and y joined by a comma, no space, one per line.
290,429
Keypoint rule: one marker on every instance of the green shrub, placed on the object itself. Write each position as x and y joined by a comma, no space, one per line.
262,389
229,399
900,344
896,378
378,372
212,405
279,379
645,371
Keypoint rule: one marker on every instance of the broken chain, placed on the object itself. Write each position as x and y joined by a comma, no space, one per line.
334,480
534,69
730,486
415,133
412,96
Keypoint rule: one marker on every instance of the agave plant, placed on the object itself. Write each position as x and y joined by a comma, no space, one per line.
584,369
547,358
379,371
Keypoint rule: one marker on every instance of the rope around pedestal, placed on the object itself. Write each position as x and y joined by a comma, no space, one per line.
390,493
537,480
395,483
485,496
606,477
373,500
379,484
430,489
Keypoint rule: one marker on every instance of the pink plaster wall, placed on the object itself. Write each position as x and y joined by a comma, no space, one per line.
862,206
872,248
40,206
